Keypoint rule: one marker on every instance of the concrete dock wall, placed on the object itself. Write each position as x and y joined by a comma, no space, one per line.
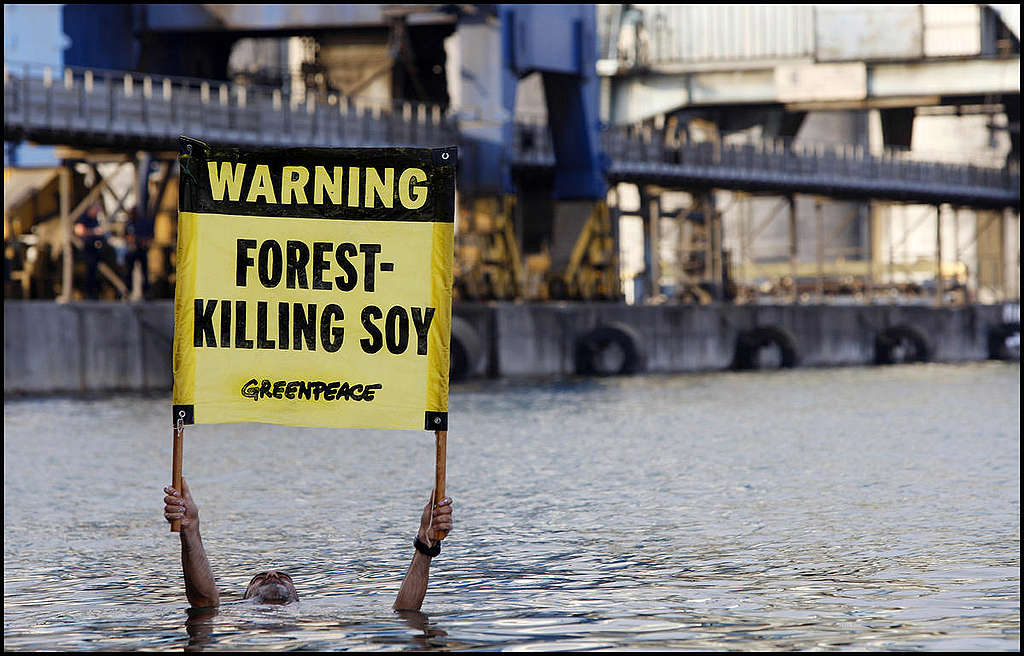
54,348
96,347
540,339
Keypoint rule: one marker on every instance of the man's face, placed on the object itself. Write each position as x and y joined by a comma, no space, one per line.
271,587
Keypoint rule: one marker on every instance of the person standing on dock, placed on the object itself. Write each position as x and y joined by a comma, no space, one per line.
277,587
93,239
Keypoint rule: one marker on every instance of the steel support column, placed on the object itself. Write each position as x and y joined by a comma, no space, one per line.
819,285
654,241
791,201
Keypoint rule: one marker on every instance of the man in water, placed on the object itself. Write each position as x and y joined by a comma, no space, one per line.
275,587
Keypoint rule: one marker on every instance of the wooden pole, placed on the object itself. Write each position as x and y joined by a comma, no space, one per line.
439,473
179,431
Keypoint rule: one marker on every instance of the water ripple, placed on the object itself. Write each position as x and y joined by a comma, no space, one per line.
868,509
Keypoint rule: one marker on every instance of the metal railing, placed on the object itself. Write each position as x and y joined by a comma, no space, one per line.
783,165
95,107
90,107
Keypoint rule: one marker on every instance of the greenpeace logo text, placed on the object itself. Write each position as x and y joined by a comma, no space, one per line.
311,390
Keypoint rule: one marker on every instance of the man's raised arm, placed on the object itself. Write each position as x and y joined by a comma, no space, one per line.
200,588
414,586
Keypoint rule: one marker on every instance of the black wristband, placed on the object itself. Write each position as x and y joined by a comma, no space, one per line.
424,549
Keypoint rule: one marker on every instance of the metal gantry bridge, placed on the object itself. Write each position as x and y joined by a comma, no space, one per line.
781,166
115,109
90,108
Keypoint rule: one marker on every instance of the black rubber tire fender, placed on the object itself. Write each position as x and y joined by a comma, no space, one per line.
749,342
997,340
591,345
891,337
466,350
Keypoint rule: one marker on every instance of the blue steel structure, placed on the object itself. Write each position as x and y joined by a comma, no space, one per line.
557,41
560,43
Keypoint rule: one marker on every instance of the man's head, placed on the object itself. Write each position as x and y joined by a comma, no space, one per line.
271,587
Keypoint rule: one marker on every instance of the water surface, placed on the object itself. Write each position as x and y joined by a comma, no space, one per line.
861,508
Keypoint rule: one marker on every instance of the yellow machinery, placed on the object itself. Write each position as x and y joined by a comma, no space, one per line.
592,273
487,262
489,265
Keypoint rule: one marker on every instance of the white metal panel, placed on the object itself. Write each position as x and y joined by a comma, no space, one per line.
697,34
726,87
635,98
703,33
951,78
952,30
859,33
818,82
645,97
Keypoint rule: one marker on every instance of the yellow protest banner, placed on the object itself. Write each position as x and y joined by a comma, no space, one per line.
314,286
